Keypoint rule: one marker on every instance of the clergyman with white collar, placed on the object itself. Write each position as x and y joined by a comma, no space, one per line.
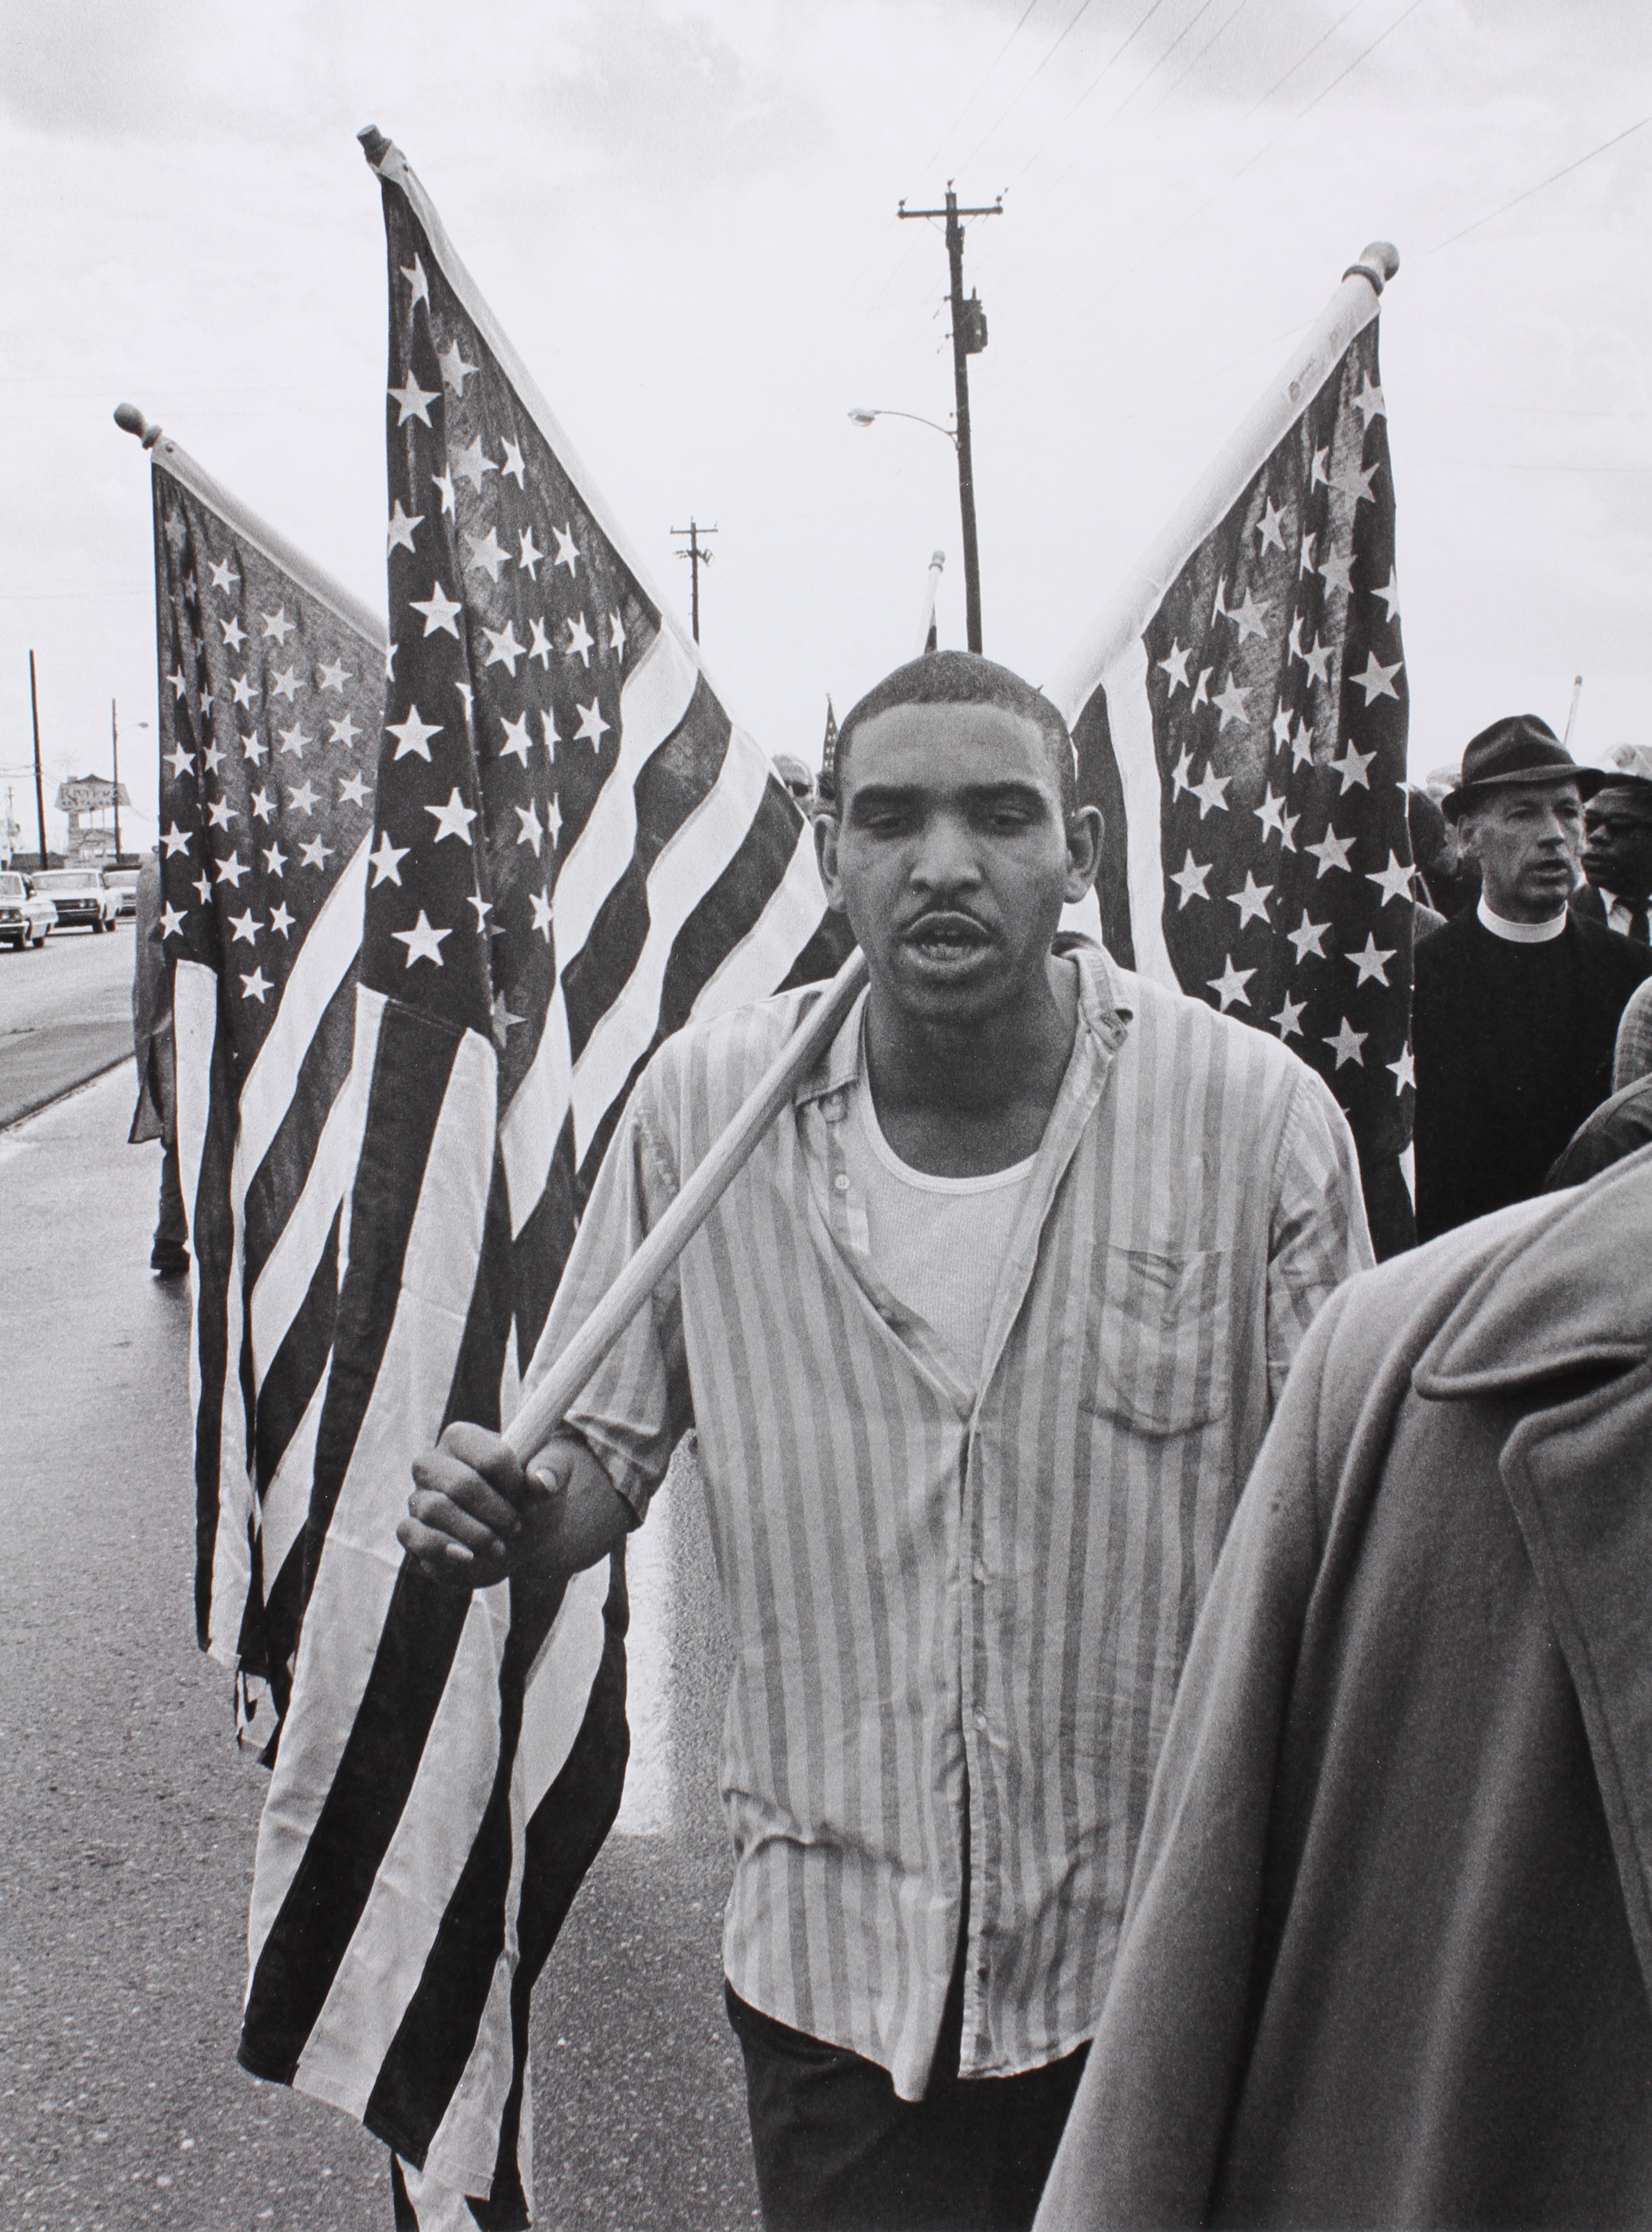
1517,1003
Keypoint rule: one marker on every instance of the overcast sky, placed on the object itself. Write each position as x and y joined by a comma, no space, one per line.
684,215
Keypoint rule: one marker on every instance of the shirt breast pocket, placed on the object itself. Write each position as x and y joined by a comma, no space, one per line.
1157,1341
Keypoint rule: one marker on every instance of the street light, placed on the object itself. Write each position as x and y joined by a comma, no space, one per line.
863,416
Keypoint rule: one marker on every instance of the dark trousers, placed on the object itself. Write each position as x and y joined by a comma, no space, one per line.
836,2151
171,1250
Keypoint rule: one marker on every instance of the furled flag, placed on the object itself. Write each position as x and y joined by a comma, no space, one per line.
574,850
1240,716
272,679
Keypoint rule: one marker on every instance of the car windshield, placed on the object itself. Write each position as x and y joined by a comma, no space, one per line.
67,879
11,887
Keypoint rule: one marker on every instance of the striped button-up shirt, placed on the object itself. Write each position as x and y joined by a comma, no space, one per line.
959,1613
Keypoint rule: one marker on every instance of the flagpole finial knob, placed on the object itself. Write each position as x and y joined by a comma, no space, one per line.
131,420
374,146
1379,261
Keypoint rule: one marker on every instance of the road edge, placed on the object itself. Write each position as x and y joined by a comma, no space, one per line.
63,1093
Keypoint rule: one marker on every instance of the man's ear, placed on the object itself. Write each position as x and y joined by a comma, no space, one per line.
1085,829
827,830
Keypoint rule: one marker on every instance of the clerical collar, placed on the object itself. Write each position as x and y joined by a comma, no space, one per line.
1521,933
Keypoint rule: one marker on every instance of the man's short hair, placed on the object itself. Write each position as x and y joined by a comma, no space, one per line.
963,678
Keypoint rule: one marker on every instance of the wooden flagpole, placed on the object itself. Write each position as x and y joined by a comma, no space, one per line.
546,1401
1350,309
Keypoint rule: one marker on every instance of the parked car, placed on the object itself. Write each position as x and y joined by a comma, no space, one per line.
25,919
79,896
123,882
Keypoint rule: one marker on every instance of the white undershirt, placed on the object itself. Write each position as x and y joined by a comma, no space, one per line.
936,1243
1521,933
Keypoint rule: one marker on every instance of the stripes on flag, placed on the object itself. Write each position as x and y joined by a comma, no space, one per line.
271,679
573,849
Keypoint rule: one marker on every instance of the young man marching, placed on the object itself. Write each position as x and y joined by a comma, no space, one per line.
980,1347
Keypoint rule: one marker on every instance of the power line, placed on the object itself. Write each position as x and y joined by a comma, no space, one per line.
990,73
1227,24
986,78
1307,55
1141,23
1227,139
1015,101
1107,65
1142,83
1289,125
1061,177
1332,87
1616,140
1261,101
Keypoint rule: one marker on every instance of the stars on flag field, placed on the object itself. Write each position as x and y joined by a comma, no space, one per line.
515,625
1284,798
259,668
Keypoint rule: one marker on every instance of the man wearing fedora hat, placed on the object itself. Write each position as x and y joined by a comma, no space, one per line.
1618,847
1517,1002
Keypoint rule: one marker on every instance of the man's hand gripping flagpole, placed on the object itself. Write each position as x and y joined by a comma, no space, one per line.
478,1514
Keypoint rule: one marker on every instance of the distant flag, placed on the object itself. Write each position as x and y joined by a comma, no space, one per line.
928,628
572,851
1240,715
828,774
272,678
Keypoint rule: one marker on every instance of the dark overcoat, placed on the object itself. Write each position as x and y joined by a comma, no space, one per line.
1387,1953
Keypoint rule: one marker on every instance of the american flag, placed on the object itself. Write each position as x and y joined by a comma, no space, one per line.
826,782
572,851
1246,742
272,678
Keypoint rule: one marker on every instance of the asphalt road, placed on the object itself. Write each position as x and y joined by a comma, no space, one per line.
127,1818
65,1013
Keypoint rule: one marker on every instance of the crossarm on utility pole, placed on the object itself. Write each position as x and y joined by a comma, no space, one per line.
698,555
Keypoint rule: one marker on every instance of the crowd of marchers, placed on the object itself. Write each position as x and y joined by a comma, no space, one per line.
1115,1841
1187,1759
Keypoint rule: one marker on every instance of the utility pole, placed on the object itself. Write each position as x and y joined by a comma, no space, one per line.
968,339
115,749
40,794
697,556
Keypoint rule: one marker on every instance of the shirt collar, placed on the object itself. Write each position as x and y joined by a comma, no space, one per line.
1521,933
1105,1011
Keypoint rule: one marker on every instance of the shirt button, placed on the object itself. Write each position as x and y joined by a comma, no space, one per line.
981,1574
841,1182
980,1718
